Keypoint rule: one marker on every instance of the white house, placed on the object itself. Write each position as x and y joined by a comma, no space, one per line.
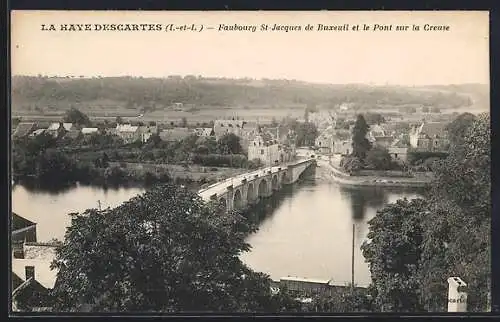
89,130
128,133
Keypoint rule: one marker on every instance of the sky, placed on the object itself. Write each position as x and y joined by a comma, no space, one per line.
460,55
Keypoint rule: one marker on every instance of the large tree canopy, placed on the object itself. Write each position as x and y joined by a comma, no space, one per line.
165,250
77,117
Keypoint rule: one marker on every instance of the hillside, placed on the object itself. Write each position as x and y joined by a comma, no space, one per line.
150,94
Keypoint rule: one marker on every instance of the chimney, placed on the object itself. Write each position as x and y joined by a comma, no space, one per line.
457,295
30,272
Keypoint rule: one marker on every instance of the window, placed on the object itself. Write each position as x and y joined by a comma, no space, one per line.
262,151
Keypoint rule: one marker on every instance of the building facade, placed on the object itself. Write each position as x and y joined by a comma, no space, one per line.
431,136
265,148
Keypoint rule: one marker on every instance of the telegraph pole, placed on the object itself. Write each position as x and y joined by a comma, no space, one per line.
352,259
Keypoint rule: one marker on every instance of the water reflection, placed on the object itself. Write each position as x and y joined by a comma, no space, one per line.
310,229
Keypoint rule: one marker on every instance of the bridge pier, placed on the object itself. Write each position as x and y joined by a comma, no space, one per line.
257,185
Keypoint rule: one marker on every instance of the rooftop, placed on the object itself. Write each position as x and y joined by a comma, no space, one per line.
43,274
433,129
23,129
126,128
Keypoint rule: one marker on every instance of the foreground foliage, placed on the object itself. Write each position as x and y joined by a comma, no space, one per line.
165,250
416,245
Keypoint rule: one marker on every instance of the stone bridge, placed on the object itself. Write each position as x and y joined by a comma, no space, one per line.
246,189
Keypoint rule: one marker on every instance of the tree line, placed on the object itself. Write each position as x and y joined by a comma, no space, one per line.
154,93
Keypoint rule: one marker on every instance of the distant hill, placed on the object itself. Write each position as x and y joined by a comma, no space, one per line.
156,93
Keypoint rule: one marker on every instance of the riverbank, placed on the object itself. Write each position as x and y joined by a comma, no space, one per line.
343,178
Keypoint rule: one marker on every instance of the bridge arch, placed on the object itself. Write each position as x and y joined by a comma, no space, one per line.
251,193
274,182
223,203
237,199
263,188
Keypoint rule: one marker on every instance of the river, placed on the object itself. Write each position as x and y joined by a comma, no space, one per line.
307,232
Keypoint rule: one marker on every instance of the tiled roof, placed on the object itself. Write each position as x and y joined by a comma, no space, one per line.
23,129
433,129
19,222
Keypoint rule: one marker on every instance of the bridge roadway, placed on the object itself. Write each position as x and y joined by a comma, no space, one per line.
242,190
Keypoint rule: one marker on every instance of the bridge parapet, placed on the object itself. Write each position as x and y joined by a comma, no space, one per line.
245,189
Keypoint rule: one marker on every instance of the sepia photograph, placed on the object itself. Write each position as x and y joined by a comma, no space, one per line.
264,162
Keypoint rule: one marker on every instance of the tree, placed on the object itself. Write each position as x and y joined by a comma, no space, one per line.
460,218
77,117
393,253
360,144
229,144
378,158
306,133
351,164
54,167
165,250
458,129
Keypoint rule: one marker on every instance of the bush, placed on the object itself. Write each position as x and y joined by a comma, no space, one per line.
255,164
351,164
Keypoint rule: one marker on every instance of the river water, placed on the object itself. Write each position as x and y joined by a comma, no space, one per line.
307,232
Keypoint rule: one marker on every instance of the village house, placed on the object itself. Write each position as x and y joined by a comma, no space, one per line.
430,136
265,148
204,132
324,141
146,132
73,134
175,134
22,230
59,129
377,136
23,129
128,133
398,150
32,277
88,131
237,127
